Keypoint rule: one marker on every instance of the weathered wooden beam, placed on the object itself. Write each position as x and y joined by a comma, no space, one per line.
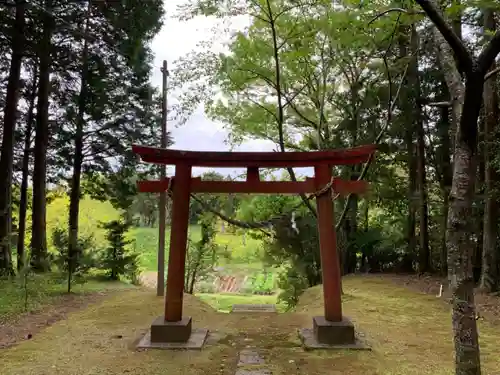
349,156
253,175
342,187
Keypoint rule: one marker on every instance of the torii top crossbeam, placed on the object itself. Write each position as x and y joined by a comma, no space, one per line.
218,159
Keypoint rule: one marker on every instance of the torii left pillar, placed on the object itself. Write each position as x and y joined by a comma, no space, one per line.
173,327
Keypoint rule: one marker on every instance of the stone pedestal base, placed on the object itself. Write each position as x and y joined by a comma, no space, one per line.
163,331
173,335
331,335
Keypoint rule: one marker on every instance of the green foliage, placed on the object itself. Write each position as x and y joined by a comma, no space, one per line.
292,284
202,255
292,249
118,259
225,203
92,213
261,283
87,253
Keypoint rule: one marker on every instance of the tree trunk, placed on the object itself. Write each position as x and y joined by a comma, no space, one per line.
444,165
74,202
39,261
7,152
453,81
424,263
351,228
23,202
479,202
460,231
489,280
456,24
460,249
466,105
406,118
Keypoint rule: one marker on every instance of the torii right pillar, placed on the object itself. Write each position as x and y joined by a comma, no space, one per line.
333,330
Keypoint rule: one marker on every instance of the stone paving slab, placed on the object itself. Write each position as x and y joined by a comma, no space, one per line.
254,372
265,308
196,341
250,357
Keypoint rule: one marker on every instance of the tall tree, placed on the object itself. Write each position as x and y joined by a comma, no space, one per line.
23,199
74,206
9,124
490,260
417,118
114,89
39,261
464,173
407,105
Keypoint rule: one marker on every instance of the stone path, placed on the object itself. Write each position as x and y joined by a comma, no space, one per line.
256,308
251,362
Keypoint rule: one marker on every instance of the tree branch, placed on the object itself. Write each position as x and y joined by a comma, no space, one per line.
281,114
364,171
490,52
400,10
425,101
492,73
464,58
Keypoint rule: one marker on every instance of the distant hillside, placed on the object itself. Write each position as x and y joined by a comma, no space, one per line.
92,212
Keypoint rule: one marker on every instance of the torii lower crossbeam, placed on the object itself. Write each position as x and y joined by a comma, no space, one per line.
332,328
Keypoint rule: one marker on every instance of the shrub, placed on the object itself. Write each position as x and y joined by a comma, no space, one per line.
118,258
202,255
292,284
86,258
205,287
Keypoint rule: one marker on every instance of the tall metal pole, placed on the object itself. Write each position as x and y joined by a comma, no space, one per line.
160,282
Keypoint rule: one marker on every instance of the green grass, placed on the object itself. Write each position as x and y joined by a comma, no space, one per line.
146,243
241,256
93,213
41,291
410,334
224,301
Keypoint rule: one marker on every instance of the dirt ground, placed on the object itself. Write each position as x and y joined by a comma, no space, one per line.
487,305
410,334
25,326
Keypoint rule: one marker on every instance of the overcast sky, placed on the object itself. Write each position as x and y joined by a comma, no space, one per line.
175,40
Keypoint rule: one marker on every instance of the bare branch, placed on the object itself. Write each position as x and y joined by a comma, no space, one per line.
487,57
400,10
464,58
424,101
492,73
258,75
281,112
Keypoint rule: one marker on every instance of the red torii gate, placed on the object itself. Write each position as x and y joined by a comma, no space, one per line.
332,328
